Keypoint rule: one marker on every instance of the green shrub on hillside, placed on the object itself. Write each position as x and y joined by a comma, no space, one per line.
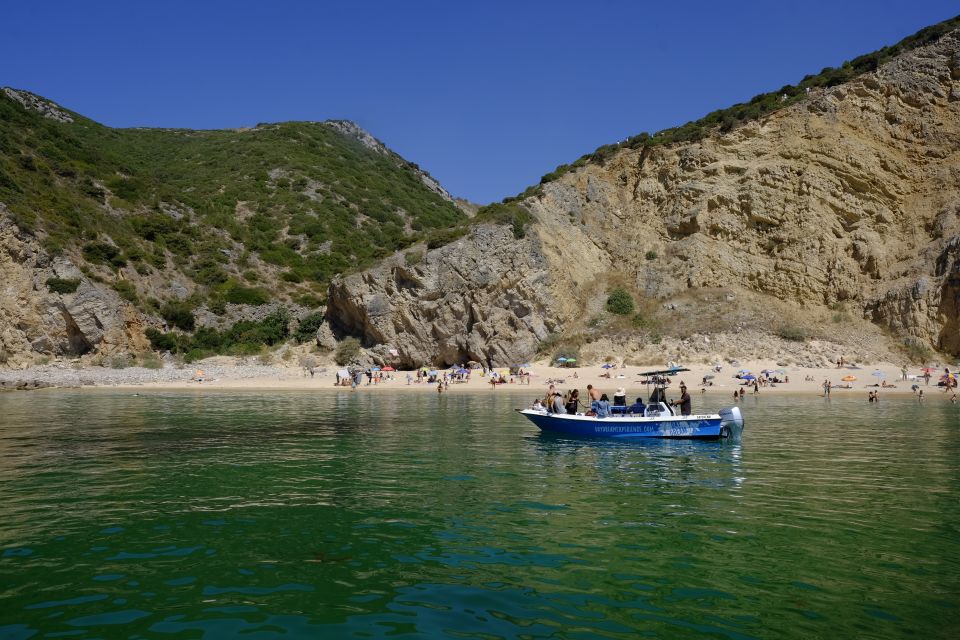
620,302
179,314
61,285
103,253
347,351
308,327
512,213
792,333
239,294
126,290
246,337
160,341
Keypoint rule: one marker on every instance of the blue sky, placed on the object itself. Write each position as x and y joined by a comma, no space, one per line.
487,96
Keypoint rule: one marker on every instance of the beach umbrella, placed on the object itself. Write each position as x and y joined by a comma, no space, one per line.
767,371
562,359
571,359
374,368
432,373
749,376
709,377
848,378
743,371
879,374
388,368
526,365
463,371
608,366
782,371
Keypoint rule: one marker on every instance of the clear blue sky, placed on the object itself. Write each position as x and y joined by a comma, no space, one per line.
487,96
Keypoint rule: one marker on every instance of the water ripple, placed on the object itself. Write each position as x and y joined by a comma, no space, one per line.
331,515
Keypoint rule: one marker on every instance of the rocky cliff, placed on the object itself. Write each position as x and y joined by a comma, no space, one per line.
484,298
848,200
35,321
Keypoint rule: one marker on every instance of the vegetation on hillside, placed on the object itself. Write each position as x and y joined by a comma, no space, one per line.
297,195
250,216
724,120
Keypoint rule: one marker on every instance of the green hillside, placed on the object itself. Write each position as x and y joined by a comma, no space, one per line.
267,213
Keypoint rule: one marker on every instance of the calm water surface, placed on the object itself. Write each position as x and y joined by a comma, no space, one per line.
326,515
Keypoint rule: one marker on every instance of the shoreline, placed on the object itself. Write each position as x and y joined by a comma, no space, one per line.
238,377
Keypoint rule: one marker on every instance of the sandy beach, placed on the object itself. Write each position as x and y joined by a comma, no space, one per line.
226,375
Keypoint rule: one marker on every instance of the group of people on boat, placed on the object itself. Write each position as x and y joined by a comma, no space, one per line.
599,404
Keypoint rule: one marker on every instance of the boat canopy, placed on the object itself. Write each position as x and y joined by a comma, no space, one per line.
664,372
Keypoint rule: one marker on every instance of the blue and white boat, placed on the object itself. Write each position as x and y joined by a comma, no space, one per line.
659,420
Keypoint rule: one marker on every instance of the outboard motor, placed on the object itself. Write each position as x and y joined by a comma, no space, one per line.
731,422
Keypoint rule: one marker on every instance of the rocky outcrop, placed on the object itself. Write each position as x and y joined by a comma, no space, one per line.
353,130
849,198
485,298
35,103
36,321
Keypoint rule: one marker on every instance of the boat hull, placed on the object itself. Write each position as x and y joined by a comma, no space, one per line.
701,427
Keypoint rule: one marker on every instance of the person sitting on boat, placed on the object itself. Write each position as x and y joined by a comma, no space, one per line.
537,405
637,408
620,398
557,406
603,406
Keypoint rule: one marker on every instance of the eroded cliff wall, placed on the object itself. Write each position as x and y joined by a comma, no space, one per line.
851,196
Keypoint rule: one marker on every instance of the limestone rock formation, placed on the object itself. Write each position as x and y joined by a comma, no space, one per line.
482,298
851,197
36,321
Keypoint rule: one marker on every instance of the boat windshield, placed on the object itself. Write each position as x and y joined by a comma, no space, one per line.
657,409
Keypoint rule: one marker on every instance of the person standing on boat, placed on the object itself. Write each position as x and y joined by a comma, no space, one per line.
573,402
548,399
683,402
594,395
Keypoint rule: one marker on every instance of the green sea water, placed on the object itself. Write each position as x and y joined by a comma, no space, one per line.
377,515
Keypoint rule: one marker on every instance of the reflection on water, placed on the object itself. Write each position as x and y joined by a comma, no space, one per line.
331,515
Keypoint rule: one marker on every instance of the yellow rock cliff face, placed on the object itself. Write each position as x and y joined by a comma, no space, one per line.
851,196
